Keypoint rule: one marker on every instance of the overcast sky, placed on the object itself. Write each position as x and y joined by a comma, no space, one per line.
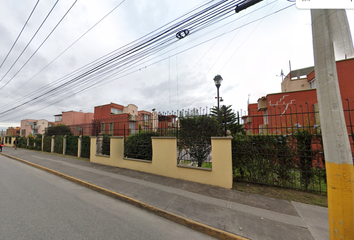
249,55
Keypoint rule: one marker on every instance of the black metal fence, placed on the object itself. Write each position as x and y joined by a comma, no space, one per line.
192,128
283,147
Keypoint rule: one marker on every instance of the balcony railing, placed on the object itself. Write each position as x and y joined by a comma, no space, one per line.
133,118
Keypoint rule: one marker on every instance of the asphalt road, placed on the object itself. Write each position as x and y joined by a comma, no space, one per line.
37,205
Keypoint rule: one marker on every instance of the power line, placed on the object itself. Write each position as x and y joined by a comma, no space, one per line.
99,70
19,34
104,58
67,48
135,48
39,46
30,41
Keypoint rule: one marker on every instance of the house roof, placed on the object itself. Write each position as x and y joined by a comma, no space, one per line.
301,72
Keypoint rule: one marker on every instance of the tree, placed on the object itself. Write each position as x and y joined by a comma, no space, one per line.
60,129
233,121
195,136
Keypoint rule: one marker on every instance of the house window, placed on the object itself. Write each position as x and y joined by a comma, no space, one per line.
103,128
265,117
146,117
115,111
313,84
78,129
23,132
58,118
111,127
132,128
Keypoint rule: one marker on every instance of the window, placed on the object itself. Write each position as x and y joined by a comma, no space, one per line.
58,118
132,126
103,128
313,84
111,127
115,111
23,132
146,117
78,129
265,117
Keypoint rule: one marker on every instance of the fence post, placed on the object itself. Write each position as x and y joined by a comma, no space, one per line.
34,141
79,145
52,145
27,141
42,141
64,144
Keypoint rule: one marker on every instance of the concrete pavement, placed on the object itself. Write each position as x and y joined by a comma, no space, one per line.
219,212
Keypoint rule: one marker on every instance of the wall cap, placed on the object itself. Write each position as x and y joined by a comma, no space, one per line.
101,155
163,137
93,137
137,160
222,138
119,137
195,168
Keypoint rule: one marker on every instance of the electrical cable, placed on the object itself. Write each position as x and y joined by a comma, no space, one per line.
94,71
30,41
46,87
67,48
13,45
39,46
146,43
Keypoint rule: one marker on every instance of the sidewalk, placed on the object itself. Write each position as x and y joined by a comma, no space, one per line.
192,204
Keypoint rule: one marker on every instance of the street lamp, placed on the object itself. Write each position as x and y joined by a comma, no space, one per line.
217,80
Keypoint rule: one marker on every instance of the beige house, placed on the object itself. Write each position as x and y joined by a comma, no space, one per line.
296,80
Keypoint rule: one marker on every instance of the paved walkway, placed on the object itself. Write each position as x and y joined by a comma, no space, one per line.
242,214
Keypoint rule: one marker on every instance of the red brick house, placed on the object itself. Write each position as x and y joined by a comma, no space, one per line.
297,103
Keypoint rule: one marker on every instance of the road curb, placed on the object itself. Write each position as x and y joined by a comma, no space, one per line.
200,227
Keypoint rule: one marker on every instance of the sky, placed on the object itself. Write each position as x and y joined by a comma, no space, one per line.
248,49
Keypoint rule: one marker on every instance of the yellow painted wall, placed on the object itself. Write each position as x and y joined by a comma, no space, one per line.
164,161
11,144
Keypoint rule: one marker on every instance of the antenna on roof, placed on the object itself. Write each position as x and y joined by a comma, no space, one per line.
281,75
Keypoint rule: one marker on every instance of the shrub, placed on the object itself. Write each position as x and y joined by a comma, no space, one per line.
59,129
38,141
139,146
264,158
47,143
22,142
30,142
195,135
72,145
106,144
58,144
85,146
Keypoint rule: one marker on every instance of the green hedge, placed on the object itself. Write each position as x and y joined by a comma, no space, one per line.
85,146
38,141
71,145
30,142
58,144
22,142
47,142
139,146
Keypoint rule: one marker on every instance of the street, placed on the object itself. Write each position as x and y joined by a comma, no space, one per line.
37,205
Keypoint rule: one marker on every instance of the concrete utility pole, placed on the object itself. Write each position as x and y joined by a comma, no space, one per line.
331,39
